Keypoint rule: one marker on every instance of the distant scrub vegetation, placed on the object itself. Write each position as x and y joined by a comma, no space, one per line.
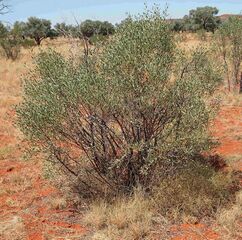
39,29
35,30
202,18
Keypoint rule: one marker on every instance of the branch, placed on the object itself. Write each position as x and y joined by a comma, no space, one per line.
4,8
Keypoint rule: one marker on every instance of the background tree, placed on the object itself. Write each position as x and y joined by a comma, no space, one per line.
177,26
19,29
204,18
89,28
106,28
63,29
229,43
53,33
38,29
189,25
3,30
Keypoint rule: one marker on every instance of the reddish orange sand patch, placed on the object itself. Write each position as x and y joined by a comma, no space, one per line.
24,193
230,147
194,232
228,129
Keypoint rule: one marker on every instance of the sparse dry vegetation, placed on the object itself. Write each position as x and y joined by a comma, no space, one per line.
123,130
4,152
58,203
229,220
229,45
11,48
125,218
194,193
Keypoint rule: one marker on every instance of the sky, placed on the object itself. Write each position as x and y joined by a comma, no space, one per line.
114,11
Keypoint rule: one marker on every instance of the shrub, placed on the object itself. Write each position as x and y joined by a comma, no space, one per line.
96,39
229,45
28,43
202,35
195,192
123,117
11,48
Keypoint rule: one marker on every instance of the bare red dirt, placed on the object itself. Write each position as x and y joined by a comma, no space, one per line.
228,129
25,198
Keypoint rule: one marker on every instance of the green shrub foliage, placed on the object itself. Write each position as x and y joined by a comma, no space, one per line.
229,46
3,30
123,116
11,47
9,43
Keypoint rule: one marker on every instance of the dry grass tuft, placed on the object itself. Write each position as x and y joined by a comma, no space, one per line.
193,193
233,158
12,229
231,99
15,183
229,220
5,152
58,203
126,218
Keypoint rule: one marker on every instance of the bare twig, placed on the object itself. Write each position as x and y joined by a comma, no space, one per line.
4,8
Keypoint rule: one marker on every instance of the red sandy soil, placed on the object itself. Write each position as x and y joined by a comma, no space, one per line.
228,130
25,209
25,212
